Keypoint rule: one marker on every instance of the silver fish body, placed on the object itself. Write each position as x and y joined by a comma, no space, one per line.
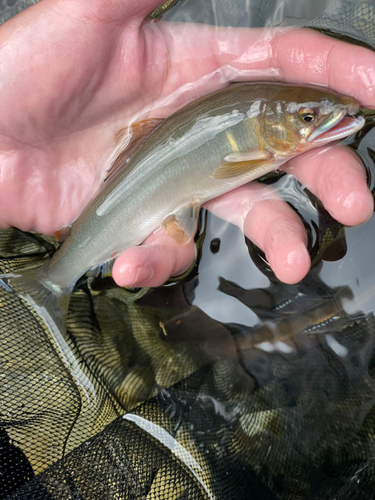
175,167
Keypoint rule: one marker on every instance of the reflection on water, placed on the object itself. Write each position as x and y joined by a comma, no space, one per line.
290,399
234,263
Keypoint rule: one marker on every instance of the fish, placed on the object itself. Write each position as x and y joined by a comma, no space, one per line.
172,166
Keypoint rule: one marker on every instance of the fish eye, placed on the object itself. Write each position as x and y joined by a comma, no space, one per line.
307,115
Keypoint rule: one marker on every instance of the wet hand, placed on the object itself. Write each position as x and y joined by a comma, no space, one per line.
73,73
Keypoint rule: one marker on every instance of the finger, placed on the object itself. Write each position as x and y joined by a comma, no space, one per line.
271,224
291,55
152,263
337,177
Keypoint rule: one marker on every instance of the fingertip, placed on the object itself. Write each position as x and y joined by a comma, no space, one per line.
153,263
287,253
131,268
337,177
291,264
352,207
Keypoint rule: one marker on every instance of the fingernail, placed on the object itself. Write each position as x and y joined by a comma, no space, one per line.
142,275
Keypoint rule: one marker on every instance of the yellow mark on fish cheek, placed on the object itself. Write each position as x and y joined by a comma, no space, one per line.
232,142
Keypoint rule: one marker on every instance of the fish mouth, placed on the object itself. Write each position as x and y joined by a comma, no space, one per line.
337,126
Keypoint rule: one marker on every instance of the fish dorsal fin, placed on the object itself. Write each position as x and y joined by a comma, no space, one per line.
182,225
242,163
63,233
127,140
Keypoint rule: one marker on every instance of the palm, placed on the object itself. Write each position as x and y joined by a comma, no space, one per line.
60,115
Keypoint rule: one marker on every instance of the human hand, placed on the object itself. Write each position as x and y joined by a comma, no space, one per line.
73,73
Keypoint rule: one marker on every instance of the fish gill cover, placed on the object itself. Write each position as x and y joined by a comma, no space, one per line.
149,397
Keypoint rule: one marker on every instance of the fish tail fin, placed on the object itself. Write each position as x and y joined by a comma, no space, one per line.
32,286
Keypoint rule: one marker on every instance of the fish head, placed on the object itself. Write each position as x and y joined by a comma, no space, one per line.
301,118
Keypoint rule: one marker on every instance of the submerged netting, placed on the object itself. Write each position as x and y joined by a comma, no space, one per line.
148,397
144,401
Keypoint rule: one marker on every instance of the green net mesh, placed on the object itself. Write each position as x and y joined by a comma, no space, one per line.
144,401
148,397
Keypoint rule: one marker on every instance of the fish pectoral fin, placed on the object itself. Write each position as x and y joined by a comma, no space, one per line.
105,270
63,233
234,169
248,156
182,225
127,140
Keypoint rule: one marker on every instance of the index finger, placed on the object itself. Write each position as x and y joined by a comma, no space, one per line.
285,54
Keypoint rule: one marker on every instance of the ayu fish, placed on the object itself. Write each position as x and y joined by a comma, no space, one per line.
211,146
